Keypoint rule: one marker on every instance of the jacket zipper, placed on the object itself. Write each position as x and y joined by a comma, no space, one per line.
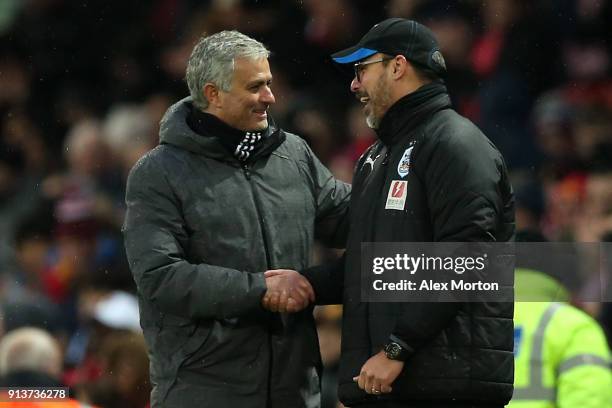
386,158
247,173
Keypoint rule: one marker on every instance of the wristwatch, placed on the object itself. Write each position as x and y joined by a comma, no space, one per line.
394,351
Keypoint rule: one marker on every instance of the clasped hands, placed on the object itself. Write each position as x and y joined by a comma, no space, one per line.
288,291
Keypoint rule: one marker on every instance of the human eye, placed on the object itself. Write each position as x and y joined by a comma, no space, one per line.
359,70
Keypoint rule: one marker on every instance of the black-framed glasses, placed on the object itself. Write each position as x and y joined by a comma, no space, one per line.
360,66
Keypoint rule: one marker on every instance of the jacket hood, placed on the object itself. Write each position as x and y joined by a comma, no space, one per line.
175,131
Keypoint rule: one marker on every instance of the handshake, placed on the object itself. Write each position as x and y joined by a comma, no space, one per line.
288,291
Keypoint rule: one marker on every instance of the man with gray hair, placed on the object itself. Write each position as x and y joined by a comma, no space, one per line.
31,358
226,196
29,352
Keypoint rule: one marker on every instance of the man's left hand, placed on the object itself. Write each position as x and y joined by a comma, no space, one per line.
378,373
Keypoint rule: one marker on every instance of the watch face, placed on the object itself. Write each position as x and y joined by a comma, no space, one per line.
393,350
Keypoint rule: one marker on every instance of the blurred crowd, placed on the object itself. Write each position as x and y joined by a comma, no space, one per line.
84,84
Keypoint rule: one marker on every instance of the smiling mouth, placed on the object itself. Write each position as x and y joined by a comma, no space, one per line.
364,99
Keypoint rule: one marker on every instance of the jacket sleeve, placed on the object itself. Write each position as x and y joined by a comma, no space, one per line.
462,177
332,202
327,280
584,377
460,172
156,238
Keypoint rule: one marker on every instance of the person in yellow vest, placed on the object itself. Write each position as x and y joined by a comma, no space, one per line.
562,359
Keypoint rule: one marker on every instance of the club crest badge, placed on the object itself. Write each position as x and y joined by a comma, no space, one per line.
403,168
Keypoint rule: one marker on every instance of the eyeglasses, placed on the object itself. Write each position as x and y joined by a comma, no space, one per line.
359,67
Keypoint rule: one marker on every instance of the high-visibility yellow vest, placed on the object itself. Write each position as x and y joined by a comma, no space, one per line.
561,355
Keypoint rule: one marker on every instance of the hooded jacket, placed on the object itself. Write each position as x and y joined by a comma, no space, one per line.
456,189
200,230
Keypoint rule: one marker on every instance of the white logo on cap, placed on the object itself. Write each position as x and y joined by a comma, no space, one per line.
438,59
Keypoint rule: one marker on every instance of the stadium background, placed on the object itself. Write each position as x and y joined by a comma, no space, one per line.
83,85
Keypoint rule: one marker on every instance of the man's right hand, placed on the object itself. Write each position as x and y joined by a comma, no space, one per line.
288,291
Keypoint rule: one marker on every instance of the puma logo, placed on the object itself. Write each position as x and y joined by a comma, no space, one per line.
371,161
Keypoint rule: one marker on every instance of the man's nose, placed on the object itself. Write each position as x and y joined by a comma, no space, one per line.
267,96
355,85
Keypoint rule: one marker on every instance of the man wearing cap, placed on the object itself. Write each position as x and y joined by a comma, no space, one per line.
432,176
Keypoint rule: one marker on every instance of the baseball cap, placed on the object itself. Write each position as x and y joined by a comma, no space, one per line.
397,36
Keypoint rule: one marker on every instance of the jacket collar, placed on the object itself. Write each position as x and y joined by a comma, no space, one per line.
411,110
175,130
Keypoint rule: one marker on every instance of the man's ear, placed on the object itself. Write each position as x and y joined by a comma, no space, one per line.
211,93
401,67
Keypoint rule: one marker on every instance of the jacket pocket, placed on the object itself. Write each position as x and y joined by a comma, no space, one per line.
180,337
233,355
223,341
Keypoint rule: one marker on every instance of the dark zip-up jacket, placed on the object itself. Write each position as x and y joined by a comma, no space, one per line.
457,190
200,230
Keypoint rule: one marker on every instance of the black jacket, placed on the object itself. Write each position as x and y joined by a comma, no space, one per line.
458,191
200,231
